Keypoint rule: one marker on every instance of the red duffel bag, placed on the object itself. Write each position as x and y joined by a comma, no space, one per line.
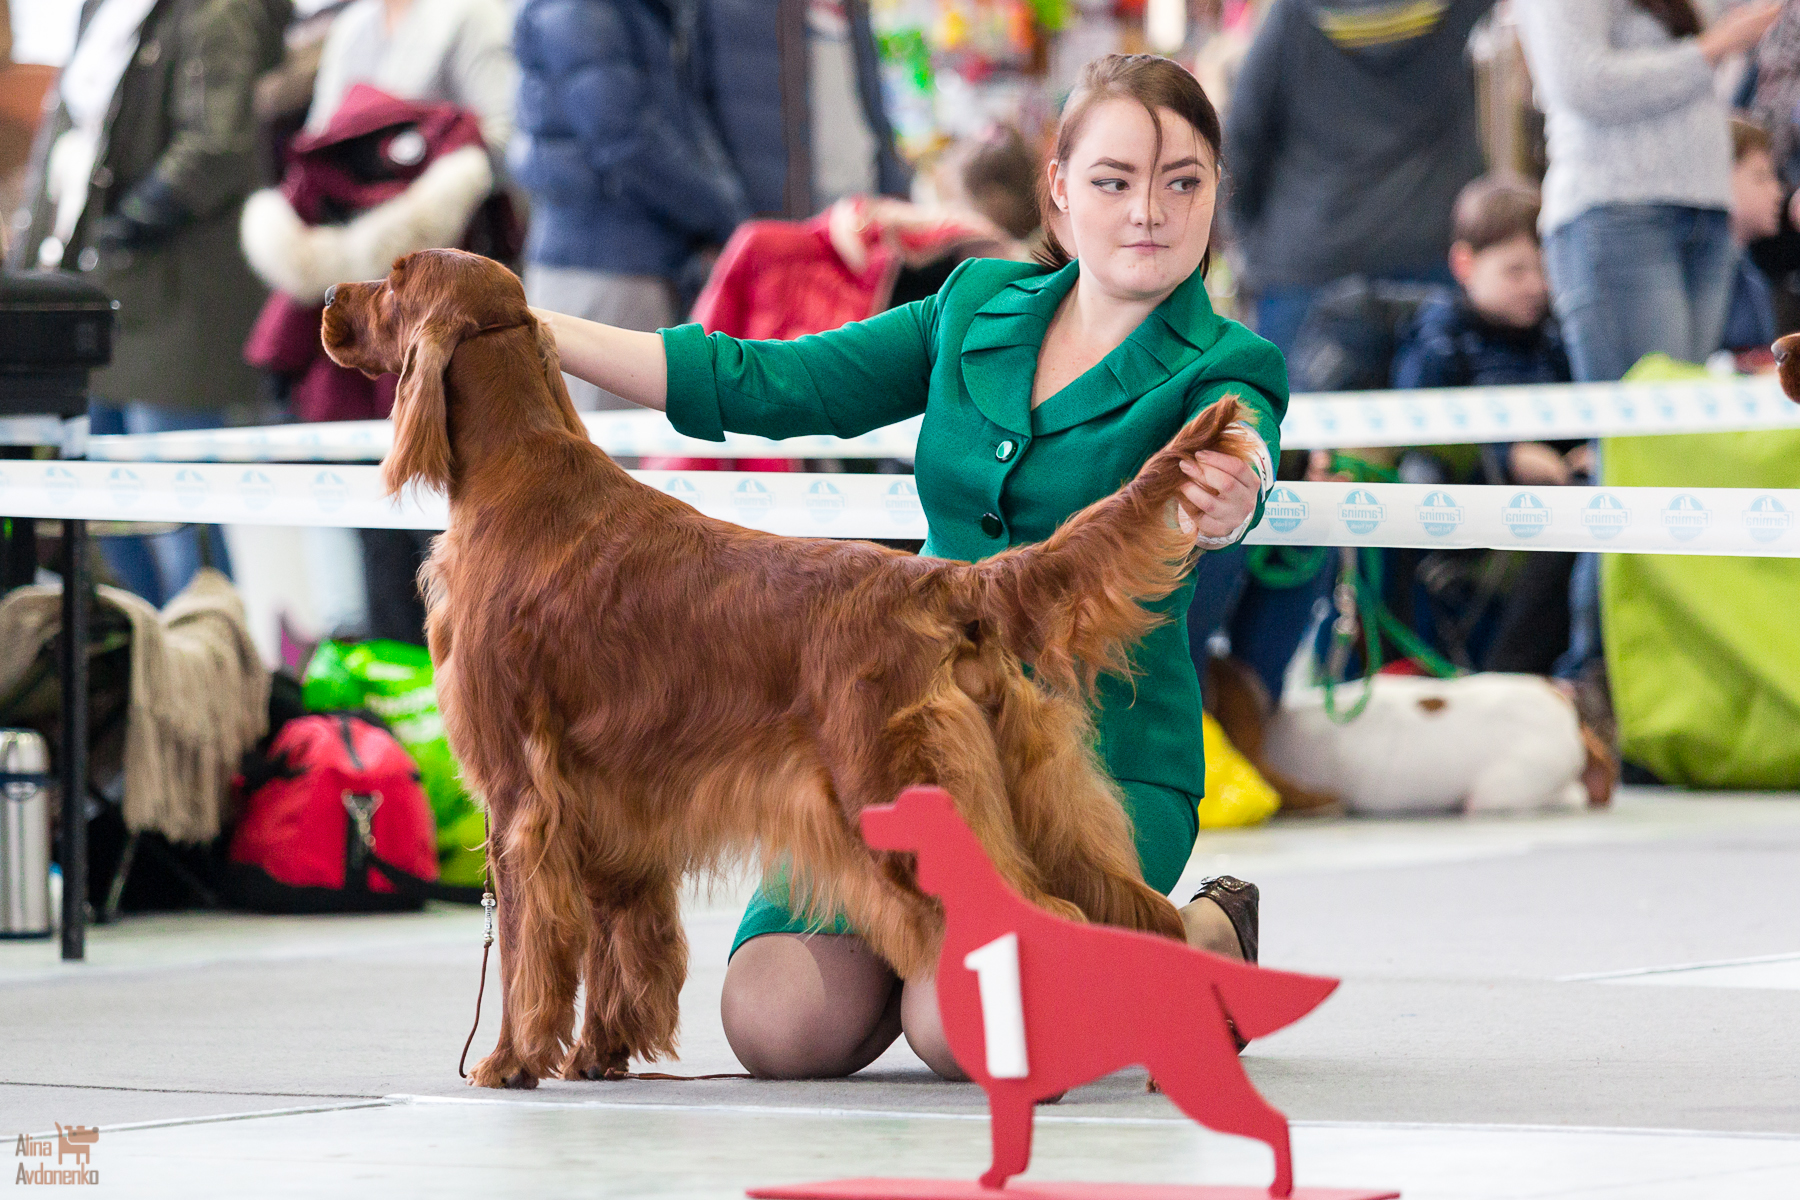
334,820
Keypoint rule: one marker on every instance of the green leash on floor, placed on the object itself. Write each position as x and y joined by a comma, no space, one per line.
1357,599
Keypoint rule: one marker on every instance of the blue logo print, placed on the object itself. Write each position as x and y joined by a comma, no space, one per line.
125,486
1605,517
1440,514
256,489
902,502
824,501
60,483
751,496
1766,519
683,489
330,491
1525,516
1361,513
1284,510
1686,518
190,488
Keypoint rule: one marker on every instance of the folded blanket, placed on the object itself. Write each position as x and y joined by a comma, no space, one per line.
199,696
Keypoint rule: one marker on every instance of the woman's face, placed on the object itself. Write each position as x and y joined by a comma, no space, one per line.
1139,224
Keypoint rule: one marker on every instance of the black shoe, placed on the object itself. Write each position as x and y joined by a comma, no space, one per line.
1239,900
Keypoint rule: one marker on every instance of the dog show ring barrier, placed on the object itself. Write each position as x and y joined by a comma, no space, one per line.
1328,421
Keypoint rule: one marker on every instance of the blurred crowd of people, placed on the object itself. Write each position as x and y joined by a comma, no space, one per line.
215,164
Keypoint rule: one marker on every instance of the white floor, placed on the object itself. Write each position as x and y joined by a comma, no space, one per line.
1585,1006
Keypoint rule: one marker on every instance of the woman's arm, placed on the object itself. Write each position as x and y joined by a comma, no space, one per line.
625,362
1576,67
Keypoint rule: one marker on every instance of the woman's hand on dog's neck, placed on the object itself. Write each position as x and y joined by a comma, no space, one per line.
624,362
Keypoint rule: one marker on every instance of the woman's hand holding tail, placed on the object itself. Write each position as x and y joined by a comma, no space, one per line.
1219,497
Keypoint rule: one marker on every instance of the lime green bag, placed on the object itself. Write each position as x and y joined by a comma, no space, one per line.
1704,653
393,680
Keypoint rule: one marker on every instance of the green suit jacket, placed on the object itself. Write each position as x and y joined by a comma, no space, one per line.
993,472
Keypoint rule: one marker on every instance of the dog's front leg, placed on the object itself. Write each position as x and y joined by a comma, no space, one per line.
636,964
503,1068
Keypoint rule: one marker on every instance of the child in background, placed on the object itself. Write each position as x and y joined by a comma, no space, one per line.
1496,328
1756,195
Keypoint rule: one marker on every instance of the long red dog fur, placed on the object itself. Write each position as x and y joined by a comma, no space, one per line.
638,692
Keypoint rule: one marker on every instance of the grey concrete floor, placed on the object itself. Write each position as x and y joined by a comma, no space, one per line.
1530,1007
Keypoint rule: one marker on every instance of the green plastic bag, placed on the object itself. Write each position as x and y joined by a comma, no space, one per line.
1703,652
393,680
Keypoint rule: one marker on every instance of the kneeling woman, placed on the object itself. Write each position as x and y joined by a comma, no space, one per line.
1043,389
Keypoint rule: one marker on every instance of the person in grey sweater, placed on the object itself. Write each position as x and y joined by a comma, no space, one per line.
1636,224
1350,132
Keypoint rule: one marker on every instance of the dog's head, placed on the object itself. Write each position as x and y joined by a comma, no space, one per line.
410,324
1787,364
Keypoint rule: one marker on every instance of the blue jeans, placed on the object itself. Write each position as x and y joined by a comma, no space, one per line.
1632,279
157,567
1265,624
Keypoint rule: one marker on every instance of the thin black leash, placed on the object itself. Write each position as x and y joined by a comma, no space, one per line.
488,904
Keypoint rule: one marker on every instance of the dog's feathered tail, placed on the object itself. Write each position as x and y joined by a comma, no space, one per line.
1072,606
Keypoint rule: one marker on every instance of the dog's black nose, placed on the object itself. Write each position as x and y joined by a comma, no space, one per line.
330,295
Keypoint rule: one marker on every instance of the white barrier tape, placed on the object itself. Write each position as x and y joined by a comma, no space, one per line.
1446,416
1719,521
633,433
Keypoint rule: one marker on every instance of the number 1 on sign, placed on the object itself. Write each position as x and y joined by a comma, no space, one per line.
996,967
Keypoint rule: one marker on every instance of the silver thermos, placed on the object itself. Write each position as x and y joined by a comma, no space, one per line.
25,788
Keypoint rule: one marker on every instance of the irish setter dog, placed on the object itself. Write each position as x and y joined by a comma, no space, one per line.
637,691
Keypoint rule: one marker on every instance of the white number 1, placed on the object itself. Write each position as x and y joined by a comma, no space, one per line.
996,967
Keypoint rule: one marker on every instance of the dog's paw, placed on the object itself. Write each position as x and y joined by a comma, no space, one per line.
586,1062
501,1070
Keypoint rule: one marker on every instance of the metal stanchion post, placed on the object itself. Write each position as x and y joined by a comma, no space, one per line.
77,602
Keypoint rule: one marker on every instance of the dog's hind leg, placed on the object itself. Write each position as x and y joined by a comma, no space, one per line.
636,964
1069,815
503,1067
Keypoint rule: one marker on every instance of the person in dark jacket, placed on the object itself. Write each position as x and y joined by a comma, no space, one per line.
616,148
803,129
1351,129
137,179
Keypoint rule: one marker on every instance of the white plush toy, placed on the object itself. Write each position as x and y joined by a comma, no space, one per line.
1482,743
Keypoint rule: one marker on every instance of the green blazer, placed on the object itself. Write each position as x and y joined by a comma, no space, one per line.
993,472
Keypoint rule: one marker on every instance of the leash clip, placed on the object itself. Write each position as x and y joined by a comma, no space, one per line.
488,903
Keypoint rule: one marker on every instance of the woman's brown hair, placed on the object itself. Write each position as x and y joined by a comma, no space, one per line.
1679,17
1154,82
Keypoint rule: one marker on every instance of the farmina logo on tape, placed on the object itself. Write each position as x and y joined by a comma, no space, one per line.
1766,519
60,482
123,484
1525,515
1361,513
902,502
824,501
329,491
1686,518
1284,510
190,488
683,489
256,490
1440,514
751,496
1605,516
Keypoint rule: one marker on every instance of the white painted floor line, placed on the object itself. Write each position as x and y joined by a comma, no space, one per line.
214,1119
1676,968
1044,1115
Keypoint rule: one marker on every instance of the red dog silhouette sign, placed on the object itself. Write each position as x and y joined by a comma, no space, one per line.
1034,1005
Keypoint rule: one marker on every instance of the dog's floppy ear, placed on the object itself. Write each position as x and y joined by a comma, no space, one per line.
421,452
